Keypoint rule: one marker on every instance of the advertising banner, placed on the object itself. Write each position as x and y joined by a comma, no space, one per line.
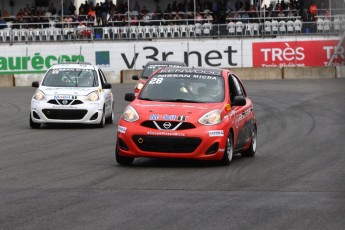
298,53
123,55
115,56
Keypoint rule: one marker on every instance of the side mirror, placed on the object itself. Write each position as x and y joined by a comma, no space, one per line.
107,85
135,77
239,101
129,96
35,84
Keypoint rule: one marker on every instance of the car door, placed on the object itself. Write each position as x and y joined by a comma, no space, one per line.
241,113
107,93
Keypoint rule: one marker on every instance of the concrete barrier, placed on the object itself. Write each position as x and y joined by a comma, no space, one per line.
309,72
112,77
248,73
126,75
340,71
26,79
6,80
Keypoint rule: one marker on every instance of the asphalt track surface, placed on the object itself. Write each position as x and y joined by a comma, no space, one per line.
65,177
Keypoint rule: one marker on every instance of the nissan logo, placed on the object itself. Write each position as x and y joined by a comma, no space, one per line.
167,125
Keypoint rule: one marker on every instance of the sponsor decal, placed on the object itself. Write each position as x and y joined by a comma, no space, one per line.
193,71
297,53
56,71
243,115
64,97
167,117
195,76
162,133
34,64
216,133
228,107
64,107
154,117
214,58
102,58
121,129
73,89
181,118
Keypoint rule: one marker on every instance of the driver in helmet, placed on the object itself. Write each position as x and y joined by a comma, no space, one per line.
214,89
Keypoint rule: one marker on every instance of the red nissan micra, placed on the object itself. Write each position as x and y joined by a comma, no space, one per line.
191,113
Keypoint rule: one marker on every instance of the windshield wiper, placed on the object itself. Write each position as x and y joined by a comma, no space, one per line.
179,100
145,98
77,78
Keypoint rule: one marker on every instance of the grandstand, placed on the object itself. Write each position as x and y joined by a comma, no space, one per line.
130,21
125,38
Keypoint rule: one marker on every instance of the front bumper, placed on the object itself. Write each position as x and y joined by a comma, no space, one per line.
87,112
202,143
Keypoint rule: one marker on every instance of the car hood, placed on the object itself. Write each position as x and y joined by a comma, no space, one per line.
49,91
172,111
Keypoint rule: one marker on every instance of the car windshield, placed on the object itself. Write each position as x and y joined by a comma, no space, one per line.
73,77
149,69
193,88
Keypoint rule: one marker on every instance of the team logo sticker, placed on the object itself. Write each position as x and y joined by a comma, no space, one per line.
121,129
216,133
167,117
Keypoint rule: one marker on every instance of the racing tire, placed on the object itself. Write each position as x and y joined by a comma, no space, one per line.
34,125
252,149
229,151
102,122
122,160
111,118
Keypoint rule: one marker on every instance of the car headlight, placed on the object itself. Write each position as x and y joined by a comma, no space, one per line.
93,96
130,114
211,118
140,85
39,95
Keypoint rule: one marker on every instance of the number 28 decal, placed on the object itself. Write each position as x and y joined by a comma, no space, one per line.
156,81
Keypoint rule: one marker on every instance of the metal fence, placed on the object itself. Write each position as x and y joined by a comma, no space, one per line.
86,31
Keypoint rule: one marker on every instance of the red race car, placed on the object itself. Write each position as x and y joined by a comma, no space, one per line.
191,113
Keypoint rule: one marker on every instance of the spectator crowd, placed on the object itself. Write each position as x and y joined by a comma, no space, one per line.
216,11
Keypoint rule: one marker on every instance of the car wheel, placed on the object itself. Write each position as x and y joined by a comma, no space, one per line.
122,160
34,125
102,122
111,118
252,149
229,151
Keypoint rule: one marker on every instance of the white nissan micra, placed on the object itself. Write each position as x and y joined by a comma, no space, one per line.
72,93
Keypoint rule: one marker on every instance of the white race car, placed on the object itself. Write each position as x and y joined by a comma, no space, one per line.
72,93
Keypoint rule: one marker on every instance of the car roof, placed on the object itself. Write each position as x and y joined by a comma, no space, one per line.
165,63
78,65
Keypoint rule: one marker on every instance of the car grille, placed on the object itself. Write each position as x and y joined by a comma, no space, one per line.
64,114
65,102
174,125
166,144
